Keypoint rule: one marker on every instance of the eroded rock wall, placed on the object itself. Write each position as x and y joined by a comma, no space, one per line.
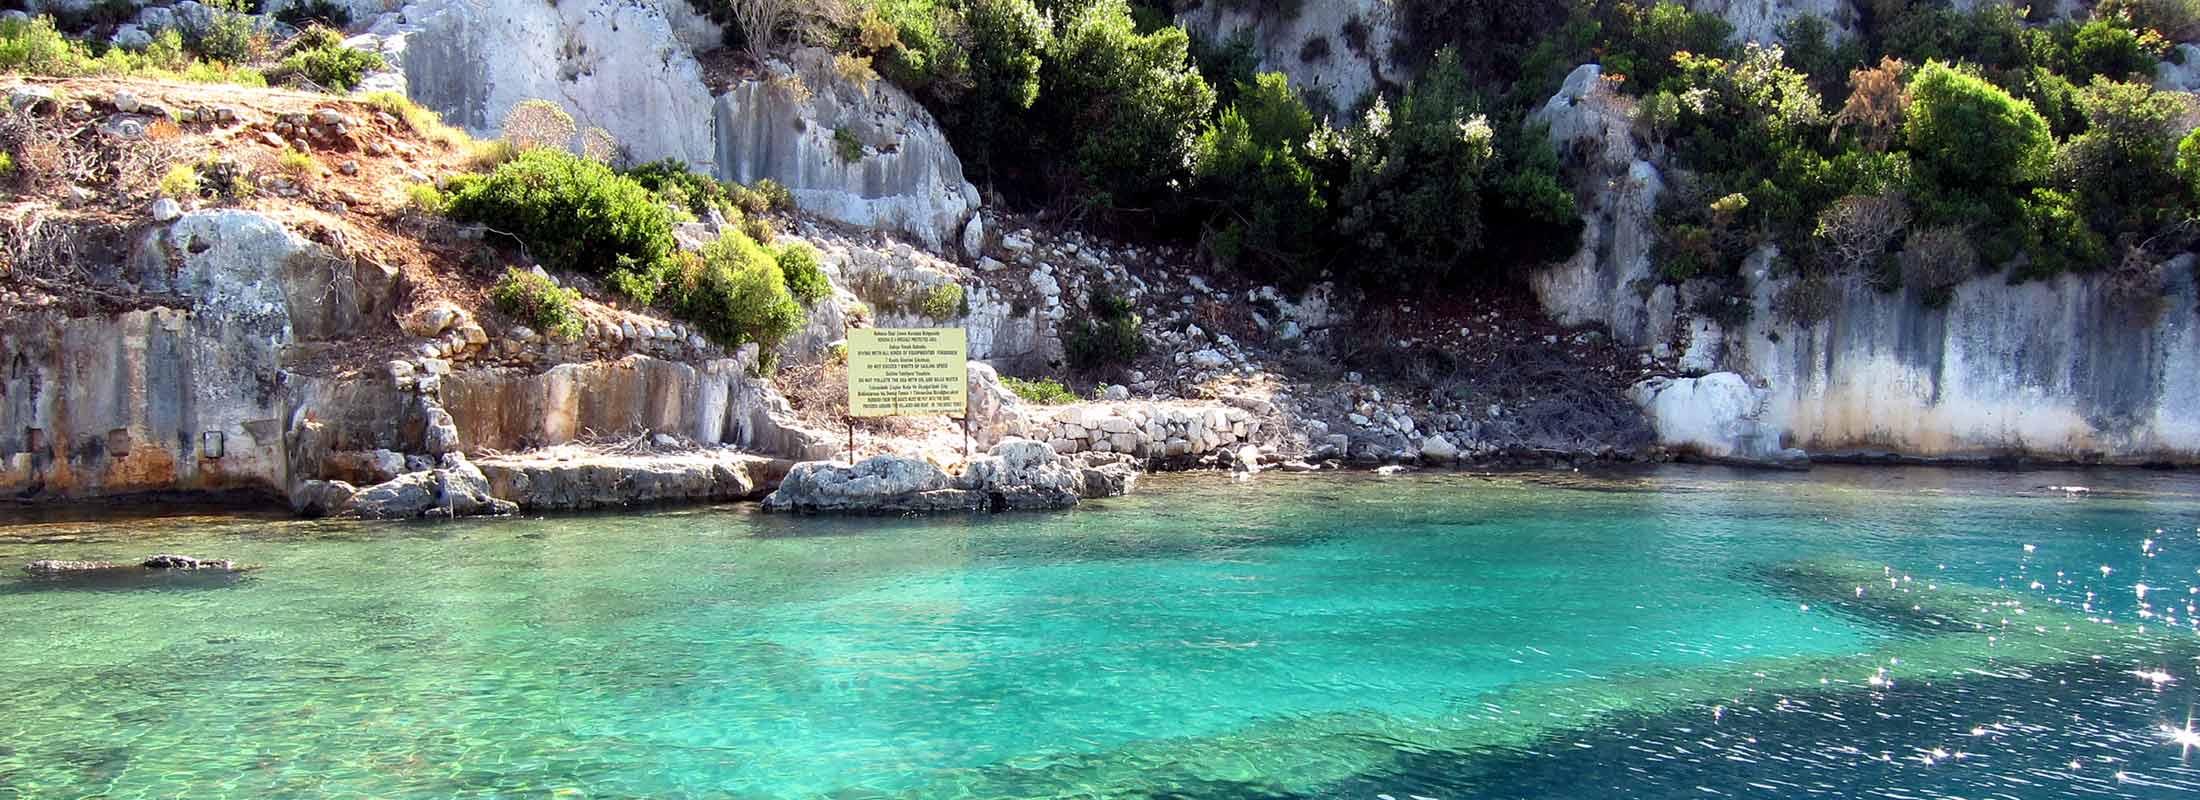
2056,370
859,153
186,396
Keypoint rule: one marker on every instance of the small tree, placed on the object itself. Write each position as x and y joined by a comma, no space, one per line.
1877,103
764,22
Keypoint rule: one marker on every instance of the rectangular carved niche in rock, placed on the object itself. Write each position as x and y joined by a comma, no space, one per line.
34,439
118,442
210,444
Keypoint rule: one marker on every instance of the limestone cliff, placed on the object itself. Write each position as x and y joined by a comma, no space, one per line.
2056,370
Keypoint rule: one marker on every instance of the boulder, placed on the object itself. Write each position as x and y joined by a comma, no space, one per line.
1716,417
319,498
455,489
1438,450
1016,474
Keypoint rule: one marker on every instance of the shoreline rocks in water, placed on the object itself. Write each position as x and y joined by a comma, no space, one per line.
565,481
455,489
164,562
1016,475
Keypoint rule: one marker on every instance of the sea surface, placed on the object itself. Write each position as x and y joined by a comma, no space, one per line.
1671,633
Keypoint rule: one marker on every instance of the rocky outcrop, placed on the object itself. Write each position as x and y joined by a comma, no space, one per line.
1594,133
1015,475
2058,370
1337,50
455,489
189,395
716,402
544,482
862,153
626,66
1767,21
1718,417
895,283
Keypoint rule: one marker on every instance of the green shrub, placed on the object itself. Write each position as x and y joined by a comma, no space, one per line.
180,182
805,279
231,36
1646,39
1108,337
2100,48
672,180
7,165
538,302
775,194
1007,40
1965,132
1044,392
1271,212
847,146
1125,107
34,47
944,302
426,199
570,212
733,292
311,37
335,68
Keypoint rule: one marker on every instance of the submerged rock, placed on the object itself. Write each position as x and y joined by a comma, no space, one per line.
157,563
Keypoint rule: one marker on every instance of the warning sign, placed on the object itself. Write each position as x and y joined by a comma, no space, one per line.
893,371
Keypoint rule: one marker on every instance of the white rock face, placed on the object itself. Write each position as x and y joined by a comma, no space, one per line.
616,64
2185,77
2059,369
1596,284
1716,416
1351,43
1763,20
787,126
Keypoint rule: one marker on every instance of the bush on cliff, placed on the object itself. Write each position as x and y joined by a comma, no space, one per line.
330,66
569,212
538,302
1125,107
732,291
1108,337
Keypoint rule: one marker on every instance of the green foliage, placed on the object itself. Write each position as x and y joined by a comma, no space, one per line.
231,36
2100,48
570,212
2120,172
1043,392
1644,41
34,47
732,291
1007,41
1965,132
426,199
847,146
336,68
1254,166
1126,107
1108,337
944,302
180,182
805,279
538,302
7,165
675,183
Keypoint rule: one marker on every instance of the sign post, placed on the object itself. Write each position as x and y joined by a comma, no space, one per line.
894,371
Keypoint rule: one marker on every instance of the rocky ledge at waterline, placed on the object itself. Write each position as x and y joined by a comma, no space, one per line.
1016,475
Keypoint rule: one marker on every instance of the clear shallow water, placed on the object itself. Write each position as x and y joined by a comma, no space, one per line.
1441,636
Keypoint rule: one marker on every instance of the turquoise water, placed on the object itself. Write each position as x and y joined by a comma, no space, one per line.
1330,636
